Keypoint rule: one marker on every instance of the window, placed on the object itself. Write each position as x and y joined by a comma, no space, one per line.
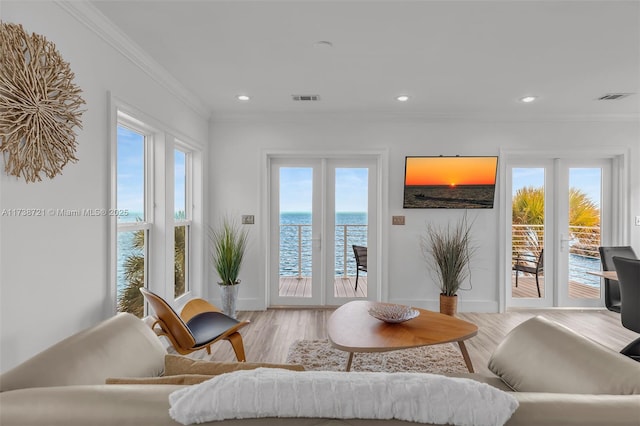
182,221
157,234
133,219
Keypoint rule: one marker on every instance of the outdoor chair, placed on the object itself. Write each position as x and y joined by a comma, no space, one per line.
611,287
629,279
361,260
530,264
199,325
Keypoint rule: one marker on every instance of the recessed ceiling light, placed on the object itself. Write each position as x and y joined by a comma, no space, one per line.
403,98
243,97
528,99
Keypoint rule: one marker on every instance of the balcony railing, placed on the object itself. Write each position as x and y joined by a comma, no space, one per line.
583,248
295,249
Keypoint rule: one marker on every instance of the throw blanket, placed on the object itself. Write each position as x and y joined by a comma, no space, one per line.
415,397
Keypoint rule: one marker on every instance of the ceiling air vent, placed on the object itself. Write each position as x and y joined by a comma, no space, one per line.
613,96
305,97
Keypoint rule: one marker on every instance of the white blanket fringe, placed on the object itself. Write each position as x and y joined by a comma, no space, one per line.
415,397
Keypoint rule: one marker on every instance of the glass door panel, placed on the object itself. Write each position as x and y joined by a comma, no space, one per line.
351,207
527,233
581,236
295,213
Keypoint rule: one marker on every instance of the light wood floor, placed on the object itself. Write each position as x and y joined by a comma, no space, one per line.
271,332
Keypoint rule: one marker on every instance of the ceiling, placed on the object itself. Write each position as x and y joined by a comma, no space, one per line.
452,58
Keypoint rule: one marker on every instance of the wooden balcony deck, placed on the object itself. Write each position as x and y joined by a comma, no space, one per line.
527,288
342,287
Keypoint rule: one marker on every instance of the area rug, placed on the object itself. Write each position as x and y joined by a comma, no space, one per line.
319,355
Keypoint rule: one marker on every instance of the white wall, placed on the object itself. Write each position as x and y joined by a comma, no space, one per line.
53,270
238,141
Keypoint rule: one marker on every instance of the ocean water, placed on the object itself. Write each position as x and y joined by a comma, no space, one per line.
295,242
290,226
124,248
356,223
450,197
578,267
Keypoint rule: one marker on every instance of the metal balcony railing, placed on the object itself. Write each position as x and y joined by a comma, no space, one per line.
583,248
295,249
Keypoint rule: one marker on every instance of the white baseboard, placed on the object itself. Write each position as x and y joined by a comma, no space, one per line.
463,305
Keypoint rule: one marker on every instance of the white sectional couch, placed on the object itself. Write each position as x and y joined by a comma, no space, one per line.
558,377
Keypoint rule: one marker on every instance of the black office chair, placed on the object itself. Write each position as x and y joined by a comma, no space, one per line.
360,253
611,287
629,279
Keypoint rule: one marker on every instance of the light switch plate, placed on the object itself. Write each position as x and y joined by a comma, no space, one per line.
637,220
397,220
248,219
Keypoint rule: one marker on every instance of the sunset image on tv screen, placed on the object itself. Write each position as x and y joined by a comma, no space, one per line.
450,182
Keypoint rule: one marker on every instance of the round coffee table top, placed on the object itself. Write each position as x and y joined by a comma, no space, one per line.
352,329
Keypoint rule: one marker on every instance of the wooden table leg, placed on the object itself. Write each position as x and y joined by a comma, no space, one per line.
465,355
349,361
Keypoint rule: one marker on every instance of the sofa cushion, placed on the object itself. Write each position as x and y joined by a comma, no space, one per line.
175,365
416,397
180,379
121,346
542,356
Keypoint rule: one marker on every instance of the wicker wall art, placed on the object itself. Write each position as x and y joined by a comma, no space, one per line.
39,105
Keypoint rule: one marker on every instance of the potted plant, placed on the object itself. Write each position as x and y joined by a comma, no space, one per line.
447,250
228,245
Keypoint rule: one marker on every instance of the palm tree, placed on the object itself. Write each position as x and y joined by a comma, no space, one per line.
584,218
179,268
131,300
528,209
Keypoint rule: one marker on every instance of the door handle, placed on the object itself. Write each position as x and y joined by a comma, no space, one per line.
563,241
316,243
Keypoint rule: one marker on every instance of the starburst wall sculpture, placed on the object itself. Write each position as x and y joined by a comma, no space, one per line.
39,105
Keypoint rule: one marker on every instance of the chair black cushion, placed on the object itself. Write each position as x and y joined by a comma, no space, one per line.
206,326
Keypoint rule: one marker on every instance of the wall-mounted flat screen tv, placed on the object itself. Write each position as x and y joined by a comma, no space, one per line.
450,182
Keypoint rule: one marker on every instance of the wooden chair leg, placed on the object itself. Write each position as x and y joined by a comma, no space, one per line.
209,350
238,347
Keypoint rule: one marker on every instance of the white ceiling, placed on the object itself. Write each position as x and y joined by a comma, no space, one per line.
453,58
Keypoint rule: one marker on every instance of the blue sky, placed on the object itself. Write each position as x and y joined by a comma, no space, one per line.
130,178
586,179
296,189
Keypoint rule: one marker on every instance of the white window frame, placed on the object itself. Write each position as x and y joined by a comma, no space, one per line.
187,222
159,194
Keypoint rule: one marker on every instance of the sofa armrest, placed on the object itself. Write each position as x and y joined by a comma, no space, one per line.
540,355
121,346
560,409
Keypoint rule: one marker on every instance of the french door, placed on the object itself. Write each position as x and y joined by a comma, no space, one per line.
560,212
318,209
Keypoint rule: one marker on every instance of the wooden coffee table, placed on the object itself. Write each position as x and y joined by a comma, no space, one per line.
352,329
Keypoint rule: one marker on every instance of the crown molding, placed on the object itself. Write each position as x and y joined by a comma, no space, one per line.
414,117
93,19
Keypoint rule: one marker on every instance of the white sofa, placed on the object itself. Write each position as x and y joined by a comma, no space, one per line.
558,377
